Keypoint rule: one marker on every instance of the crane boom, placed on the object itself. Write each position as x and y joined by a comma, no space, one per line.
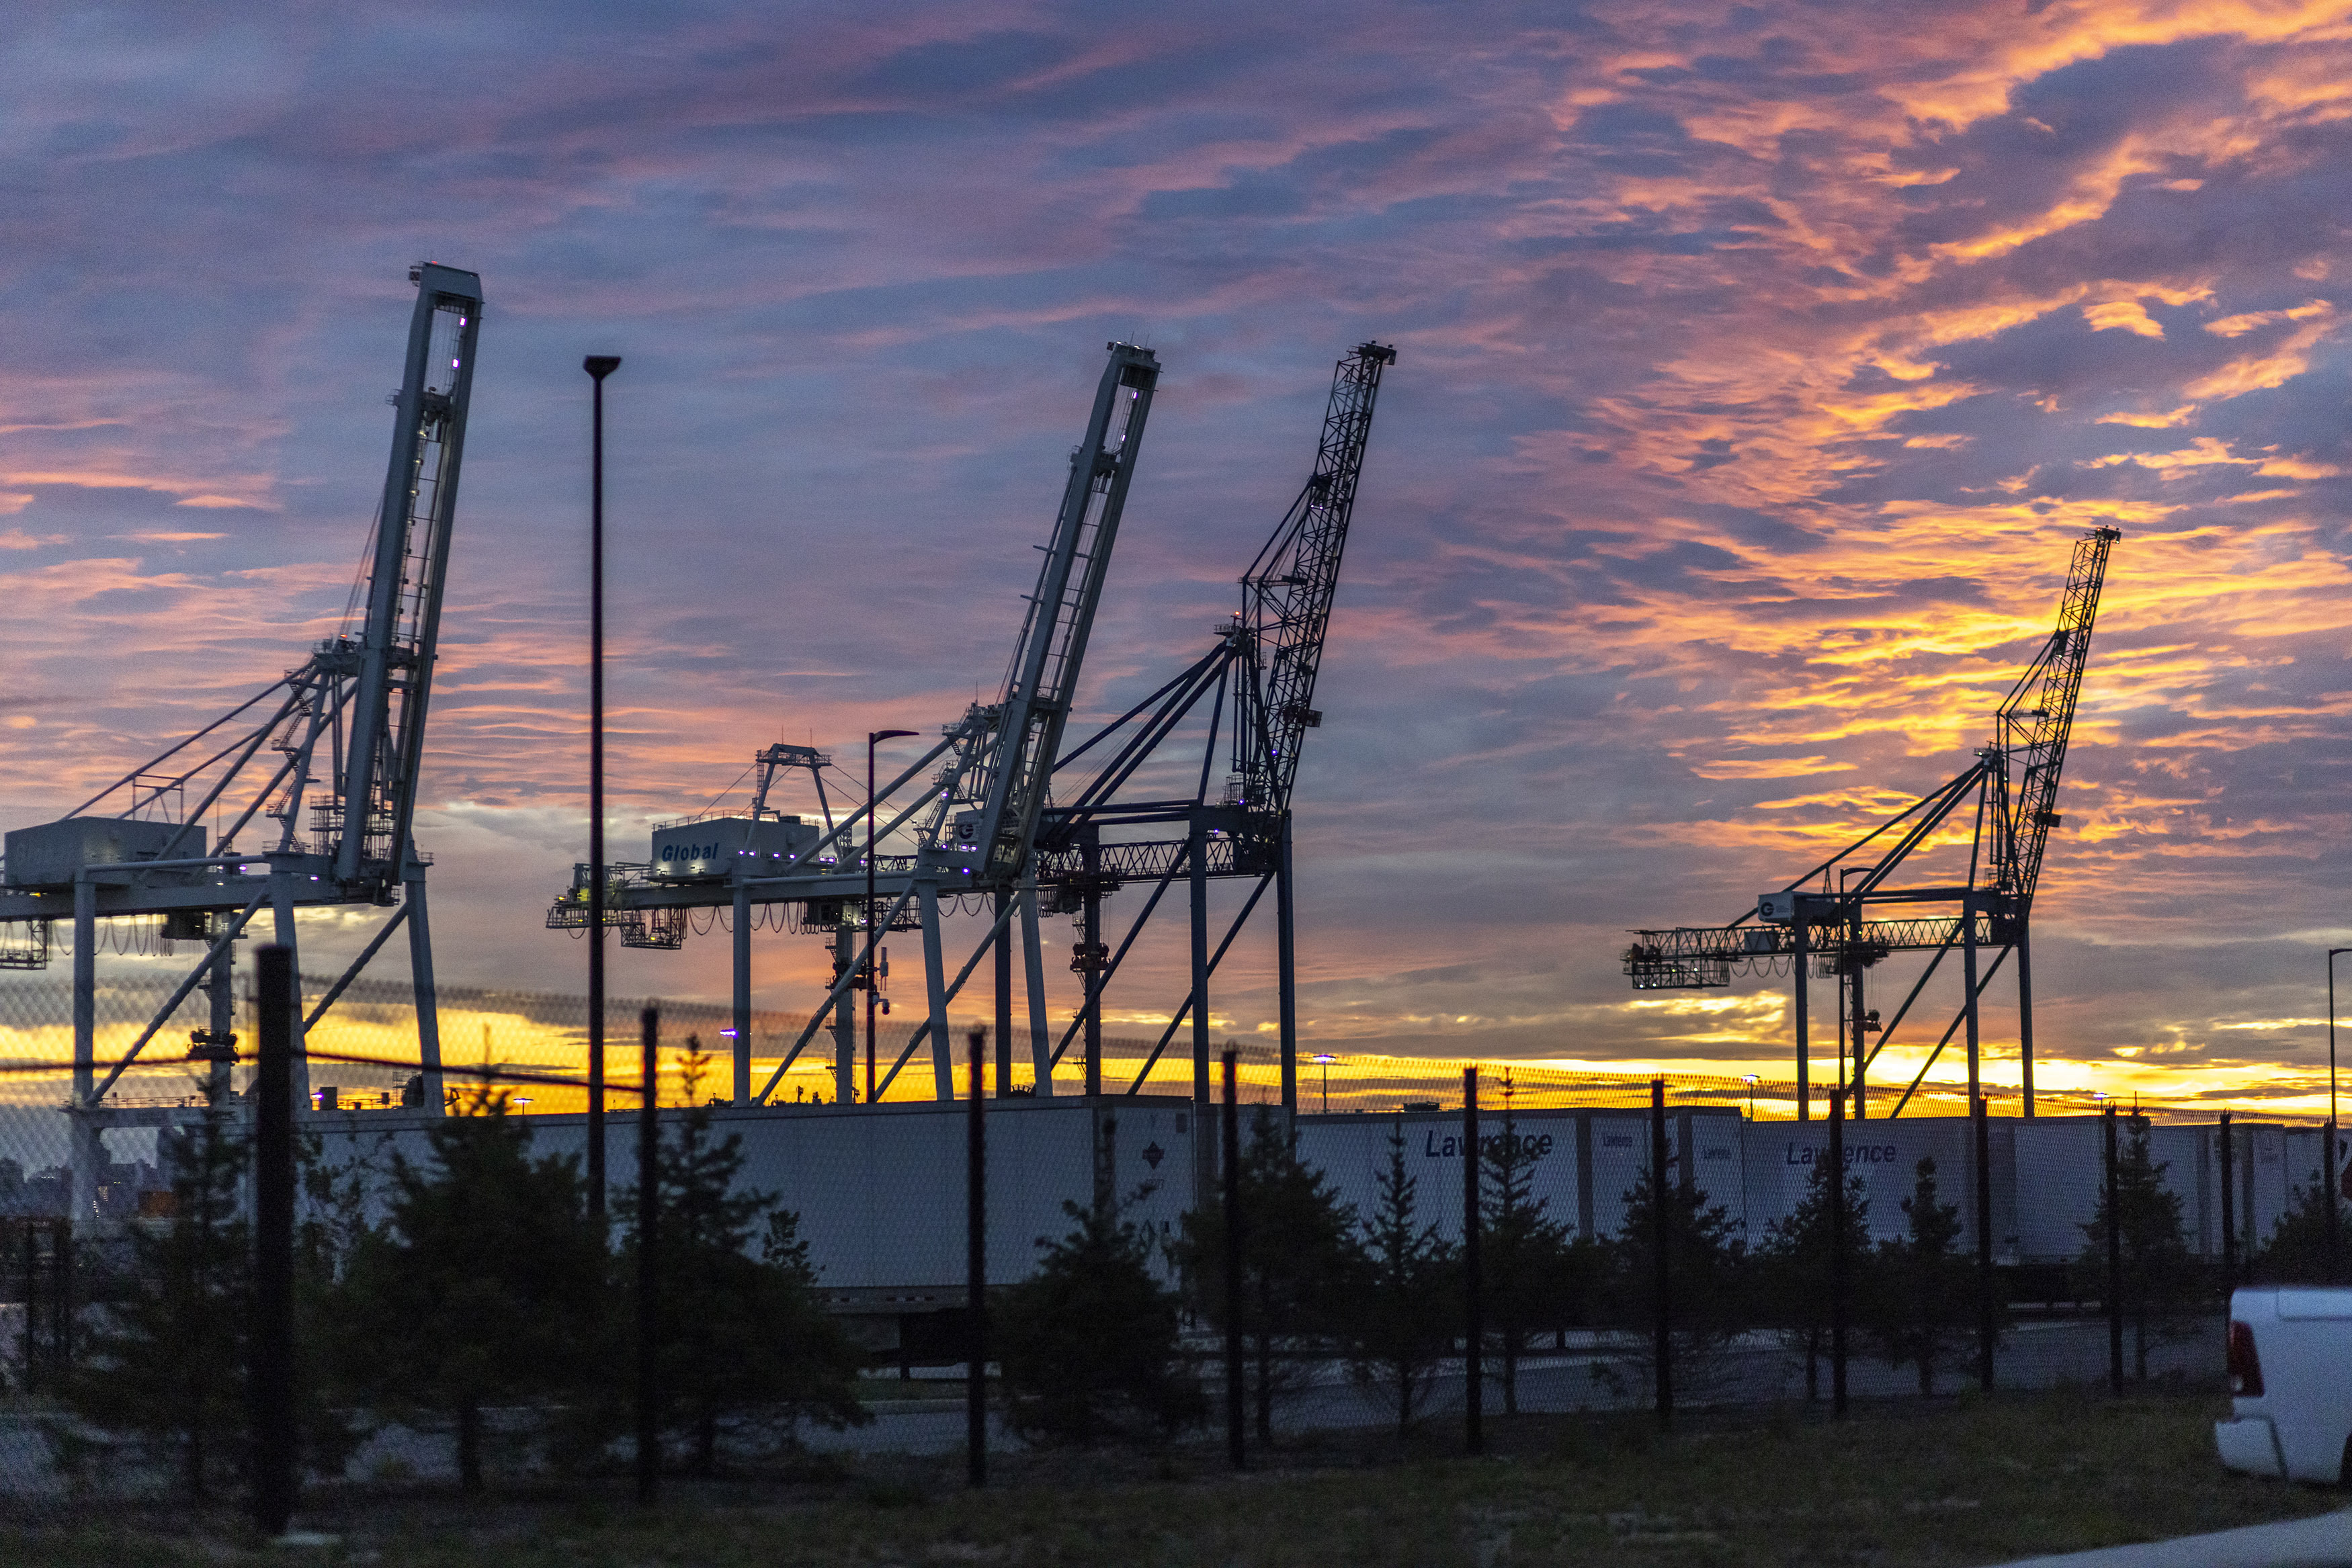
1287,591
2031,731
1046,661
2035,724
377,791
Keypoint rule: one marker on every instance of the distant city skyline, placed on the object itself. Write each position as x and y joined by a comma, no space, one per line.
1757,368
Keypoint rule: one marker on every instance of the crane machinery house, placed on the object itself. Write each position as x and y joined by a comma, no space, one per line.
711,850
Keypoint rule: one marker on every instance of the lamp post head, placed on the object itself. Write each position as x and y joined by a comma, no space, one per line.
877,736
1325,1059
601,365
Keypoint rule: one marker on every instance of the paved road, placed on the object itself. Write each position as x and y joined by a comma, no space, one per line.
2321,1542
2034,1356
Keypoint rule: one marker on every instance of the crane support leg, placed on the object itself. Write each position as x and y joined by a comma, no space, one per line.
220,990
1091,935
343,982
1804,1079
1033,957
163,1014
282,914
1200,858
2025,1009
742,966
935,982
84,1131
1861,1048
1004,956
845,1018
1950,1029
1970,988
428,996
1286,973
1185,1011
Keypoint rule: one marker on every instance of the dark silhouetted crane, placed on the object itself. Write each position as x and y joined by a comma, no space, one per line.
2013,784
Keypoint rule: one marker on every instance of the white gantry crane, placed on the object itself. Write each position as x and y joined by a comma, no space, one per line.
203,837
962,820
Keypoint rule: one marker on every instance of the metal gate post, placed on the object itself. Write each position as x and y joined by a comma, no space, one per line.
271,1379
1987,1329
1662,1241
1474,1332
1837,1258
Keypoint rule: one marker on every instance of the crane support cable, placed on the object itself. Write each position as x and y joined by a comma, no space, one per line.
169,1008
1176,863
183,745
1190,997
840,985
995,934
1886,1037
1958,1018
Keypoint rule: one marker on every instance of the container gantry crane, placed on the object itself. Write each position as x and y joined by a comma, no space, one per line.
346,730
972,823
2013,786
1266,659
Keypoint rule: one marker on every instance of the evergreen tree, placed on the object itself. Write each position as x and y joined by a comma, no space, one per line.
488,1283
742,1341
1297,1249
1793,1268
2295,1251
1921,1308
1708,1287
1532,1274
1399,1330
1088,1345
166,1362
2161,1279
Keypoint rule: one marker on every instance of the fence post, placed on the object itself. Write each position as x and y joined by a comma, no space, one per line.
1473,1335
1987,1326
274,1461
2229,1207
1661,1240
2114,1264
1837,1256
1234,1405
975,1259
32,1300
648,1266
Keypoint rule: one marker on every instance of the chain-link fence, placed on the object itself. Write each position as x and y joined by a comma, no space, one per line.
464,1237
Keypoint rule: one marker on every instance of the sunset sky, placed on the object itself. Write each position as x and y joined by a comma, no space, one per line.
1757,366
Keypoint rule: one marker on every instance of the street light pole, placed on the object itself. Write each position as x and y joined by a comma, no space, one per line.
873,938
1324,1060
598,367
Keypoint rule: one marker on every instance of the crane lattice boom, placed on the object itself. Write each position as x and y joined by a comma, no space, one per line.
2033,725
2031,731
1287,591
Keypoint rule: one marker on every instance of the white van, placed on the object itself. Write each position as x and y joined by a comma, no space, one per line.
2291,1384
